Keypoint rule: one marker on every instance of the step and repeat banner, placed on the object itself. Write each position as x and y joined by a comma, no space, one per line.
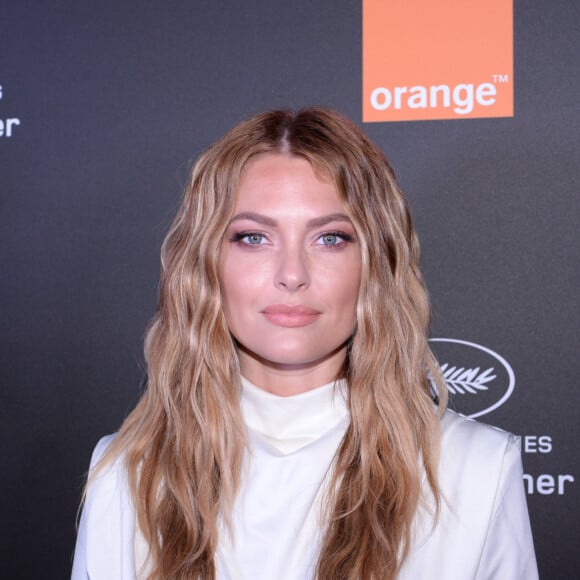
103,108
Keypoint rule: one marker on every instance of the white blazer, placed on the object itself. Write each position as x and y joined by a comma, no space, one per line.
483,531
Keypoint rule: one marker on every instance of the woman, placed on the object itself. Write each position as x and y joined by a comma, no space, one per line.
289,428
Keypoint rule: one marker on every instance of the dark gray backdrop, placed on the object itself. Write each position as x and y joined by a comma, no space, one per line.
114,101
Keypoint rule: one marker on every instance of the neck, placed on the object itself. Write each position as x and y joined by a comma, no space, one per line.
286,380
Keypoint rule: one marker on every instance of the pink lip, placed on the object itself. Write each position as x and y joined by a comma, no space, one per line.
290,316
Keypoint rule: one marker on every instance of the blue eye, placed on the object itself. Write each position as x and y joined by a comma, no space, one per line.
248,238
330,239
254,239
334,239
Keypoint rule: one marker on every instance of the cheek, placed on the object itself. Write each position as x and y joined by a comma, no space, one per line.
347,285
238,290
350,300
227,286
243,272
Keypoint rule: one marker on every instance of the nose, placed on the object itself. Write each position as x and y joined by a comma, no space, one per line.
292,271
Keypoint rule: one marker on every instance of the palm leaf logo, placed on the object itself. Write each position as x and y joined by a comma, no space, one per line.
492,382
464,380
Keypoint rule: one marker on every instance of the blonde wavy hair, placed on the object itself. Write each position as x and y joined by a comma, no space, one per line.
184,444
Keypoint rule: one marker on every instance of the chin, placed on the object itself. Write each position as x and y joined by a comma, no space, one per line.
296,356
290,359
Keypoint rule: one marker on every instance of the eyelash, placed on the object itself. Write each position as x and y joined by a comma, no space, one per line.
344,238
239,237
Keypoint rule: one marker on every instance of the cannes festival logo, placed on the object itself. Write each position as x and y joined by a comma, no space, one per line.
479,380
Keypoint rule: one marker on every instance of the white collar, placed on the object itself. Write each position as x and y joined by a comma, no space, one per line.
291,423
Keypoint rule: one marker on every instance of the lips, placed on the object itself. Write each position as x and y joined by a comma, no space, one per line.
290,316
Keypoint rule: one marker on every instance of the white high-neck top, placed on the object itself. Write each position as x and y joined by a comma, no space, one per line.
276,520
290,423
483,531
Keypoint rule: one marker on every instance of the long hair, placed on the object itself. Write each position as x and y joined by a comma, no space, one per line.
184,444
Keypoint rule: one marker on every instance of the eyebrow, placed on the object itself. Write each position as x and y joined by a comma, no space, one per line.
268,221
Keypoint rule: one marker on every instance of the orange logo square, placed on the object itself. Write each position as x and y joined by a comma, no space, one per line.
442,59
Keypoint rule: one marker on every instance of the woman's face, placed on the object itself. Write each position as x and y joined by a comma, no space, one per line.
290,272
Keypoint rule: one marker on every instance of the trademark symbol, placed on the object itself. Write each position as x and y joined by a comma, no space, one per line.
501,78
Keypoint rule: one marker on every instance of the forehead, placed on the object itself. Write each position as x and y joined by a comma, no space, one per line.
282,179
272,160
